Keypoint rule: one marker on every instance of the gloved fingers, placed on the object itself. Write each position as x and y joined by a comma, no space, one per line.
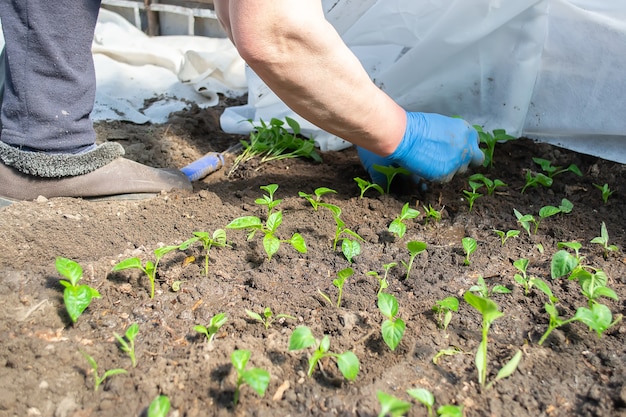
478,156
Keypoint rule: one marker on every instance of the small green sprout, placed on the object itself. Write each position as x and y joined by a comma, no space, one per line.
527,282
490,140
469,247
393,327
397,226
268,199
415,247
268,317
491,185
271,243
390,172
484,291
603,240
447,352
350,248
490,312
391,406
525,220
553,171
258,379
338,282
535,180
75,297
317,200
98,380
150,268
382,281
216,322
431,213
365,185
428,399
347,362
504,236
473,194
443,309
564,263
127,343
605,190
159,407
217,239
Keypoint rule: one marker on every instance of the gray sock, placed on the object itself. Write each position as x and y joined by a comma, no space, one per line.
59,165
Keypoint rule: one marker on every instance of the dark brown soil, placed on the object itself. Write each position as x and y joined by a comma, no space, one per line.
42,372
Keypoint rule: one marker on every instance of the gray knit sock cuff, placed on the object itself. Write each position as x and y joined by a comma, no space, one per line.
59,165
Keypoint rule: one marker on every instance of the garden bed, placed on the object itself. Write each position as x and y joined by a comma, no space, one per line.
574,373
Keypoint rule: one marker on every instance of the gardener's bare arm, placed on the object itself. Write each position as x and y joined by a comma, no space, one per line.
300,56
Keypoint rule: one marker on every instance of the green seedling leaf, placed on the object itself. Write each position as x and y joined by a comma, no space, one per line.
348,365
450,411
508,369
365,185
469,247
605,190
258,379
446,352
598,317
159,407
350,248
75,297
415,247
245,222
392,328
301,338
217,321
98,380
69,269
443,309
391,406
563,263
505,236
397,226
423,396
127,343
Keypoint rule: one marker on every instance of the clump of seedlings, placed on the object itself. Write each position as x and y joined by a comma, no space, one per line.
97,379
338,282
217,239
347,362
75,297
127,343
258,379
393,327
398,226
216,322
268,317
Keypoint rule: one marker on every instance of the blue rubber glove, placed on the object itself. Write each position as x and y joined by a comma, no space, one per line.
434,148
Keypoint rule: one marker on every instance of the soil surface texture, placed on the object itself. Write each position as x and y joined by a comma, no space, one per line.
573,373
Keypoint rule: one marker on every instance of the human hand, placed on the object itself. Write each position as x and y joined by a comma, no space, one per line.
434,148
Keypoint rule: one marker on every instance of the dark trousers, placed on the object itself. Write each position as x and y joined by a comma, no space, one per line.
50,82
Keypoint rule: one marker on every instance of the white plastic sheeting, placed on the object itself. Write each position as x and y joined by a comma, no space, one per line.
546,69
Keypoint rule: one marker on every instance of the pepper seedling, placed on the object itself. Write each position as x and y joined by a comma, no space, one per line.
365,185
527,282
382,281
268,199
75,297
217,239
349,247
490,184
473,194
303,338
397,226
431,213
268,317
98,380
490,140
603,240
605,190
443,310
159,407
428,399
484,291
469,247
317,200
391,406
504,236
525,220
393,327
535,180
127,343
489,312
216,322
553,171
415,247
390,173
258,379
338,282
150,268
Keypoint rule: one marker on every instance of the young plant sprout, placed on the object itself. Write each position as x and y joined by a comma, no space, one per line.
217,239
553,171
391,406
317,200
258,379
428,399
469,247
605,190
528,282
97,379
350,248
159,407
268,317
535,180
216,322
393,327
491,185
271,243
303,338
447,352
525,220
431,213
365,185
338,282
397,226
390,173
75,297
268,199
443,309
489,311
483,290
127,343
566,206
415,247
473,194
603,240
382,281
150,268
490,140
504,236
